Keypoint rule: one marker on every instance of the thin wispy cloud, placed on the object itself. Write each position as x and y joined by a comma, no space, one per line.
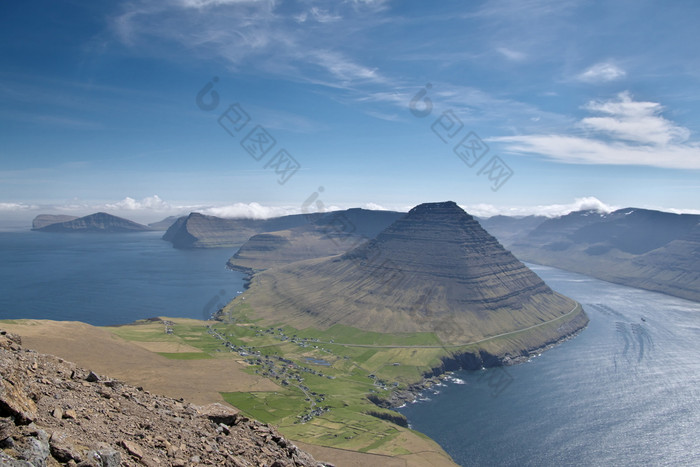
512,55
345,69
13,207
253,36
602,72
628,133
317,14
115,84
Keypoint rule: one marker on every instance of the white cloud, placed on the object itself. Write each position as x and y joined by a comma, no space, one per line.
588,203
680,211
249,33
318,14
13,207
323,16
629,133
602,72
150,203
344,69
153,209
374,207
639,122
511,54
249,211
207,3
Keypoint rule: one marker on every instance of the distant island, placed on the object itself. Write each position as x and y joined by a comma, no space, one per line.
99,222
652,250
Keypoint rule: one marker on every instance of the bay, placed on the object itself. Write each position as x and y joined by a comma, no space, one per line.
626,391
108,279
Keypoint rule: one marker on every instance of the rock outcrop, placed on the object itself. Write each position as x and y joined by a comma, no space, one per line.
54,413
99,222
434,270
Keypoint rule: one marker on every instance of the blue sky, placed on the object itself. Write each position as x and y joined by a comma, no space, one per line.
552,106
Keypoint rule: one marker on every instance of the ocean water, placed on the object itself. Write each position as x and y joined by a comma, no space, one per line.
107,279
626,391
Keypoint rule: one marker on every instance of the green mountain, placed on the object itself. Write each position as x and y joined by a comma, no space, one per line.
433,270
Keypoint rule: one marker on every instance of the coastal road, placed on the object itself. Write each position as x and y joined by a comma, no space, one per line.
446,346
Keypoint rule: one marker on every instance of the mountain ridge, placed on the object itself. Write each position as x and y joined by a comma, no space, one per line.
330,234
435,269
198,230
653,250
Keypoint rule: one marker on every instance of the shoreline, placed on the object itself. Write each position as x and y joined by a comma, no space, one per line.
249,273
484,360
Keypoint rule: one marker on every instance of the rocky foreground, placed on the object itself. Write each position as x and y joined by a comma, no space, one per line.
55,413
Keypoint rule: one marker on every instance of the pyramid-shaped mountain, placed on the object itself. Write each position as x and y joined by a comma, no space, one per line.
435,269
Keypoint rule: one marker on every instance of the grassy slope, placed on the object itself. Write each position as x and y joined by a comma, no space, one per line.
343,423
350,365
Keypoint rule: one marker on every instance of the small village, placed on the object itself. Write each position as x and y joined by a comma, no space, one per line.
284,371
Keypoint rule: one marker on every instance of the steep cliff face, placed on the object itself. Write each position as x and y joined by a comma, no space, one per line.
673,268
54,413
330,234
200,231
42,220
642,248
435,269
98,222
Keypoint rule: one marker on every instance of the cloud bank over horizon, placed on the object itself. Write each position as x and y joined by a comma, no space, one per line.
152,209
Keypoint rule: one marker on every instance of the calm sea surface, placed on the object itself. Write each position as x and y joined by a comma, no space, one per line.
626,391
110,278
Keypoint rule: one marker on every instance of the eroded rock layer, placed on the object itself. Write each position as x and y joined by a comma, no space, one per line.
435,269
